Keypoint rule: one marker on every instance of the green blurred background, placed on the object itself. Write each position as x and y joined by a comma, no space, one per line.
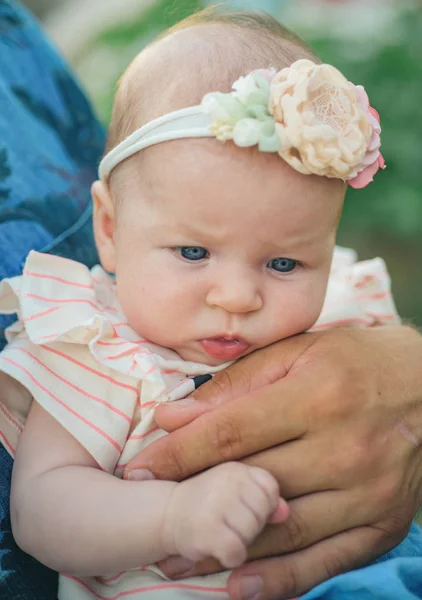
377,43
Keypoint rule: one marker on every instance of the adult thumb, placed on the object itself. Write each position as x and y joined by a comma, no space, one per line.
255,371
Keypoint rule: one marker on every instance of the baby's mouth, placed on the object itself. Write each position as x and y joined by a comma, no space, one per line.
224,348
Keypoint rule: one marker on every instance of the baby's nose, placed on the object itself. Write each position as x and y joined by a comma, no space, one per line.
235,294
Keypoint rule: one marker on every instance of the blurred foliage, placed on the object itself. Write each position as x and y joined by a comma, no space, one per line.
385,218
393,77
125,40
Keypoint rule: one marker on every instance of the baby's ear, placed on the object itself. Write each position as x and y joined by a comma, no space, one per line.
104,225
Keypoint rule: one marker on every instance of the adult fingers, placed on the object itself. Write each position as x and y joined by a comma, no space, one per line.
311,519
255,371
327,460
237,429
294,574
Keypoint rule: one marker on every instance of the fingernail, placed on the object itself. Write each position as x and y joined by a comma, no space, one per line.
177,565
250,587
140,475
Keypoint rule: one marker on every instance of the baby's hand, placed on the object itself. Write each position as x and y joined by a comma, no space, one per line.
220,512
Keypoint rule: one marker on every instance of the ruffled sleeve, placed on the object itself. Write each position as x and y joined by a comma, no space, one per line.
62,308
358,293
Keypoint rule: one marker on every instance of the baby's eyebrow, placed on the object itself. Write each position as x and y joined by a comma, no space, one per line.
188,230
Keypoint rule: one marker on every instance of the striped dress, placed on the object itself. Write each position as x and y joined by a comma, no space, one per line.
74,352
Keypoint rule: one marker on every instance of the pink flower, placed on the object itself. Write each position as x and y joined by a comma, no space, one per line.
373,159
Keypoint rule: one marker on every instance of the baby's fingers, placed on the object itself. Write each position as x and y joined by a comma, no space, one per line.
230,550
257,503
263,495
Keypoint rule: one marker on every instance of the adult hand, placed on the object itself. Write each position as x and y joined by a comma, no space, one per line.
336,417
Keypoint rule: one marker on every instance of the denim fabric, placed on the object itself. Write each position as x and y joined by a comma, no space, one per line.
395,576
21,576
50,145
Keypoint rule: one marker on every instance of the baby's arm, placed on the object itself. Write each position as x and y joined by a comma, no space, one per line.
76,518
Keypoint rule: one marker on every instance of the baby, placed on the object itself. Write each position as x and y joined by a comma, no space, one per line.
218,249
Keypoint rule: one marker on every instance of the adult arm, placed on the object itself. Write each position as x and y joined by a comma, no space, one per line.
336,416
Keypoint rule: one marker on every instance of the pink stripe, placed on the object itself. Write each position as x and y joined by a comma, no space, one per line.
364,281
352,321
120,354
75,387
118,576
351,300
132,368
8,415
150,588
137,342
180,384
7,443
60,279
73,412
111,579
41,314
91,370
376,296
141,436
151,403
341,322
70,301
44,338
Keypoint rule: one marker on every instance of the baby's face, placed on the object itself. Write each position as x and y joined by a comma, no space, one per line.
220,250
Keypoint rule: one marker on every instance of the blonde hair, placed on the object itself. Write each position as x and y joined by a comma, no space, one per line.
196,56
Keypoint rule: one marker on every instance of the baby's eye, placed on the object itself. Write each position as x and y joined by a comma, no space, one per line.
282,265
192,252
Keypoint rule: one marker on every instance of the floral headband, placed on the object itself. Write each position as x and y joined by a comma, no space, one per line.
316,120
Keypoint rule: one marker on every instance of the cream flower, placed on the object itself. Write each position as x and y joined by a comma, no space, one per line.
322,126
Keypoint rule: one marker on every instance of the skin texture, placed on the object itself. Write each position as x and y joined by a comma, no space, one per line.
255,210
339,418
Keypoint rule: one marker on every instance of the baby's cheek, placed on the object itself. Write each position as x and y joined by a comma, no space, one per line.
134,300
303,309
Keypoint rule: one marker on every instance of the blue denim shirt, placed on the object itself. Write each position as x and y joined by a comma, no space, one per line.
50,146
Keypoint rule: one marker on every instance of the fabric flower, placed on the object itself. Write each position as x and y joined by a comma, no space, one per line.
373,159
322,126
243,115
317,121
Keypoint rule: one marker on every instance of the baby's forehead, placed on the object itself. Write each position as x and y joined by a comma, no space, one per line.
179,69
194,178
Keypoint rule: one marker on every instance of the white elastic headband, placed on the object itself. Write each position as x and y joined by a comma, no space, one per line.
298,112
185,123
